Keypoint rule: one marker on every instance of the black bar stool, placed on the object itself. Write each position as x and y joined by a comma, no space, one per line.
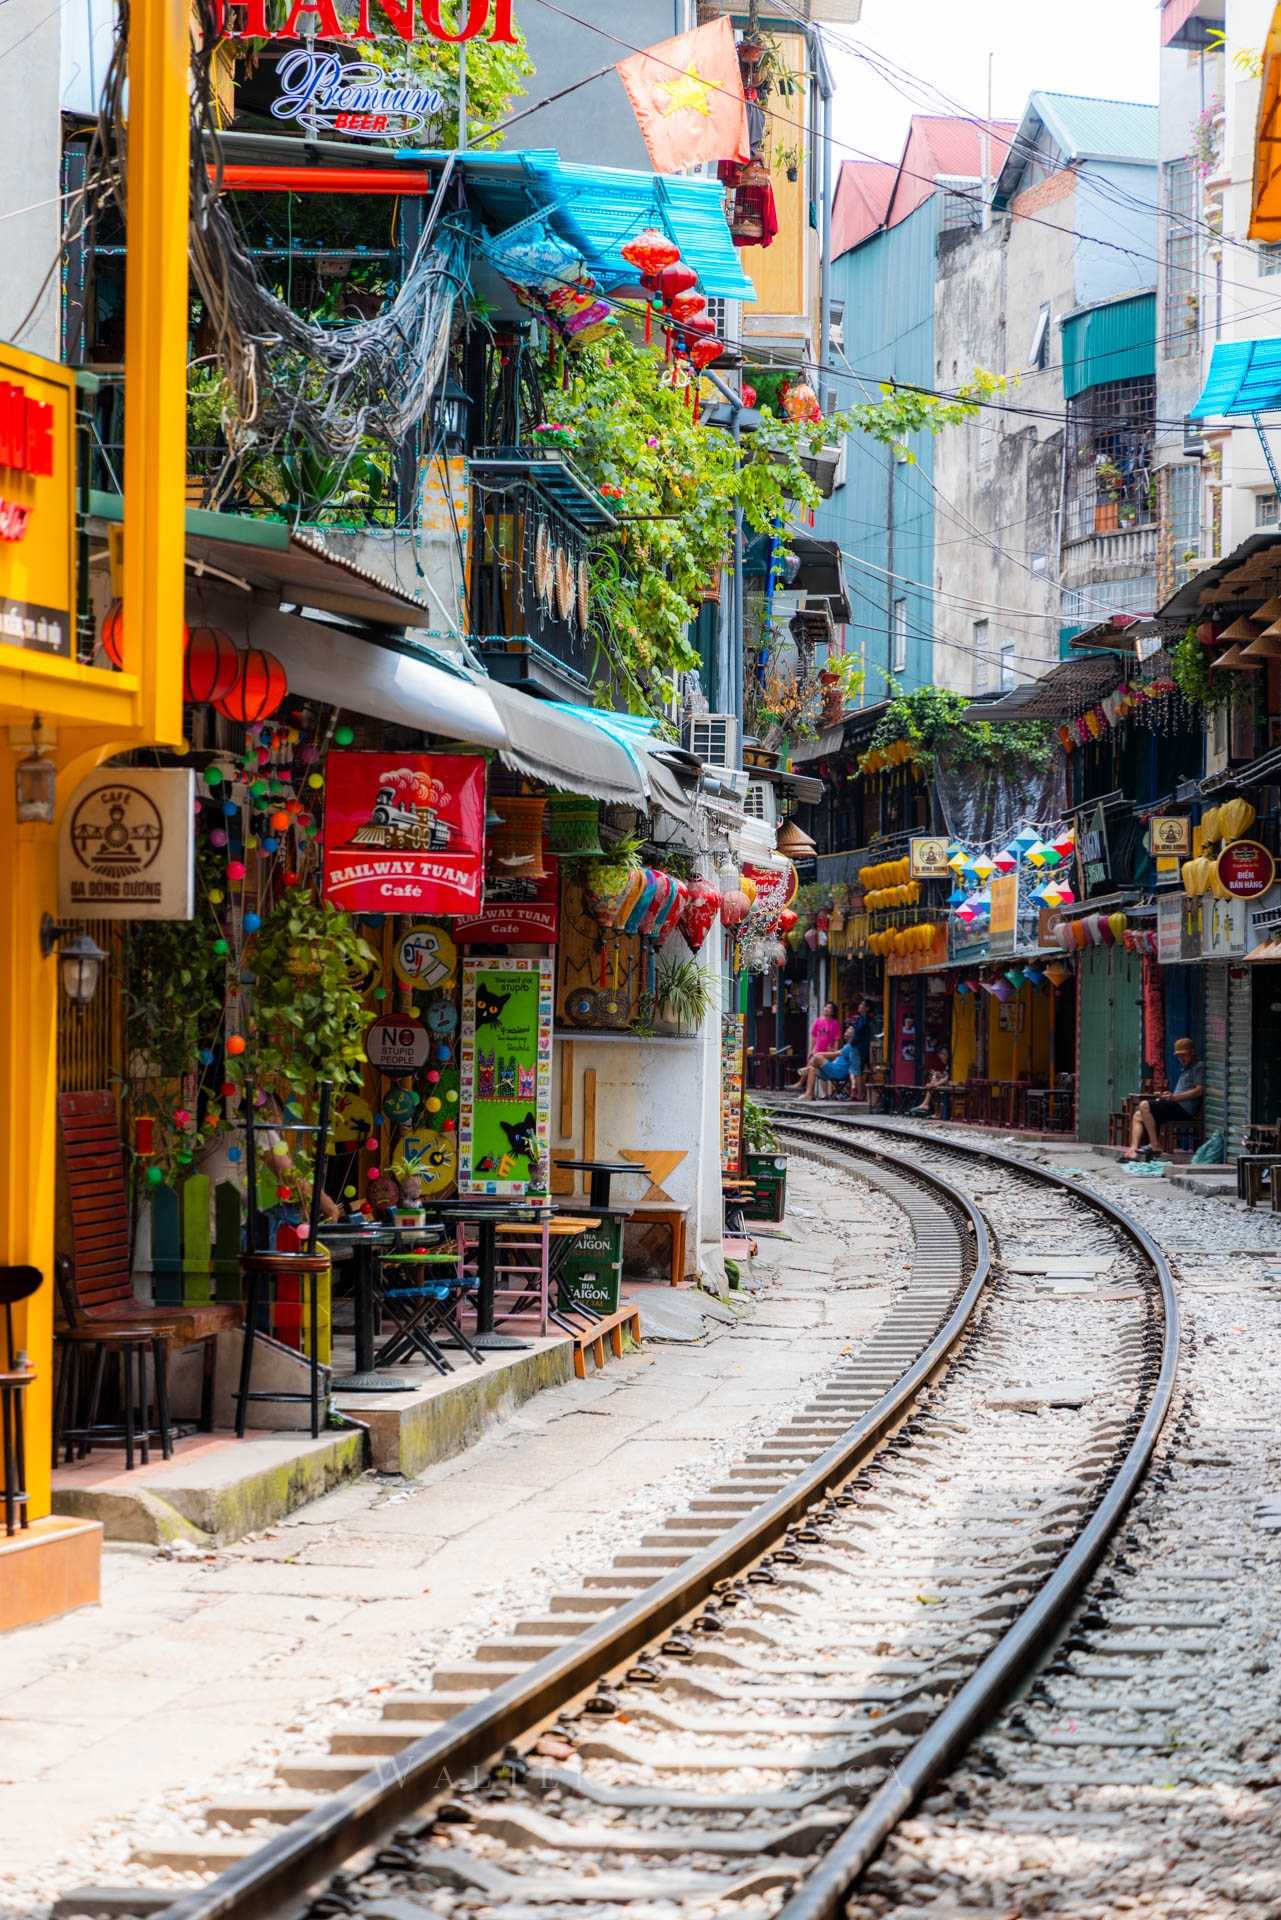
16,1283
260,1266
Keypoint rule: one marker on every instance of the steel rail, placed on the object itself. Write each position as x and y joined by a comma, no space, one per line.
823,1894
263,1886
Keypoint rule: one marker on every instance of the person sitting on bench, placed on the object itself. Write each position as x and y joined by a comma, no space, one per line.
838,1071
825,1043
1183,1103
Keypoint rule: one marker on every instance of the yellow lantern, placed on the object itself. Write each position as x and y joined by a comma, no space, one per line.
1116,922
1210,829
1187,873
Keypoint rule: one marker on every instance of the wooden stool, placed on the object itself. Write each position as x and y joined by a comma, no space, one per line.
673,1218
258,1269
77,1398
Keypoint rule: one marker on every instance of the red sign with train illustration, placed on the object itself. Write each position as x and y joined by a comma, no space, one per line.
405,832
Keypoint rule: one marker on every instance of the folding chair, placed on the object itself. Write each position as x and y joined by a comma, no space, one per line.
420,1310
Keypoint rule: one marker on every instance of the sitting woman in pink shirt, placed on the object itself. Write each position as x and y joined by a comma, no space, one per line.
825,1041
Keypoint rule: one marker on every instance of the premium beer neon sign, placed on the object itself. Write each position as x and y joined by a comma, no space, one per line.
247,20
352,96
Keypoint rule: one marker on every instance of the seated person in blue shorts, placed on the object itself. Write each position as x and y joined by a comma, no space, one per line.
840,1069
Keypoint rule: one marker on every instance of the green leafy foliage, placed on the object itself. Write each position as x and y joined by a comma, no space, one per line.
680,485
1190,664
934,720
311,968
758,1127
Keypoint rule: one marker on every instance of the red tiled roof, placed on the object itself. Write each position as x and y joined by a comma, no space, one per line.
876,193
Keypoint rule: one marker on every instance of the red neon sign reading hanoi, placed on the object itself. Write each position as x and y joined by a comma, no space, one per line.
26,432
247,20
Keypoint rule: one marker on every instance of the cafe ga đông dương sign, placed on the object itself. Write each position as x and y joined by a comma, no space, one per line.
387,19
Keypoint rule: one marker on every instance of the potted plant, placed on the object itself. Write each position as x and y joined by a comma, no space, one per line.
682,996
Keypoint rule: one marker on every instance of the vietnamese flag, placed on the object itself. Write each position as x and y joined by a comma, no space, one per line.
687,95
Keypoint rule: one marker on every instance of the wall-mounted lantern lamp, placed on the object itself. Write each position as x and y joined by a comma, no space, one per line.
80,959
36,782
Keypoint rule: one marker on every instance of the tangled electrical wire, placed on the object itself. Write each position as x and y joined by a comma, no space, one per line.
289,378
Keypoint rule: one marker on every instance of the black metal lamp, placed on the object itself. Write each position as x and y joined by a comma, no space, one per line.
80,959
36,782
452,412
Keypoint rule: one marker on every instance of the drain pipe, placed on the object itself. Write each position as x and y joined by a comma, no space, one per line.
826,89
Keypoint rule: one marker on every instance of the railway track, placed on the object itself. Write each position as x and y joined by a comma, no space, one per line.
747,1704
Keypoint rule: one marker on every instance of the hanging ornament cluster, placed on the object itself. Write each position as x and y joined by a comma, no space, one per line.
905,940
1130,698
897,754
1092,930
1230,820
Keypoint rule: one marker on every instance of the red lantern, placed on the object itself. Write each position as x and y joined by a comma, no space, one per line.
649,253
700,327
735,906
698,915
211,666
800,402
703,352
113,633
674,281
747,395
686,305
258,689
786,920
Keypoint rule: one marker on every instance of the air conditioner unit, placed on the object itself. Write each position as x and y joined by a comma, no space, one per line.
712,738
761,802
727,316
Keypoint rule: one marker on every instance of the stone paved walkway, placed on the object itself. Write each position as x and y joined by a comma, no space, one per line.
199,1673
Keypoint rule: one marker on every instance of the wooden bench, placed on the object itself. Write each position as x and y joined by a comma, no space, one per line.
1173,1136
609,1327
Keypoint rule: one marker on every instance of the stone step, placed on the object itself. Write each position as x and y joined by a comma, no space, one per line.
374,1737
473,1678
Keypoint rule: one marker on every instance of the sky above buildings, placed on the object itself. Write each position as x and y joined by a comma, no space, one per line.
936,54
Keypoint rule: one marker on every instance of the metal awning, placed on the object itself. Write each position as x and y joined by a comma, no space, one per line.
1244,378
270,557
1228,581
558,480
549,743
597,210
1057,694
344,669
830,741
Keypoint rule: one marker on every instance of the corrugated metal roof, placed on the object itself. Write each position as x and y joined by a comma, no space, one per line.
599,209
1093,129
1244,377
943,145
861,202
1116,341
871,194
1056,695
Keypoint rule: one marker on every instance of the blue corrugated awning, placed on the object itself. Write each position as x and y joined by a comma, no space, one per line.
1244,377
597,210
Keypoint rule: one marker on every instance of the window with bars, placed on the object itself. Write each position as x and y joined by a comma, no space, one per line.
1183,493
1110,487
1268,260
1181,306
1267,510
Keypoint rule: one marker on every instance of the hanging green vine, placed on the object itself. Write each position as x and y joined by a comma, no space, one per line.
933,720
1190,664
676,485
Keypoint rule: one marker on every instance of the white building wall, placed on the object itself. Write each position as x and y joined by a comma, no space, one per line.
30,175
